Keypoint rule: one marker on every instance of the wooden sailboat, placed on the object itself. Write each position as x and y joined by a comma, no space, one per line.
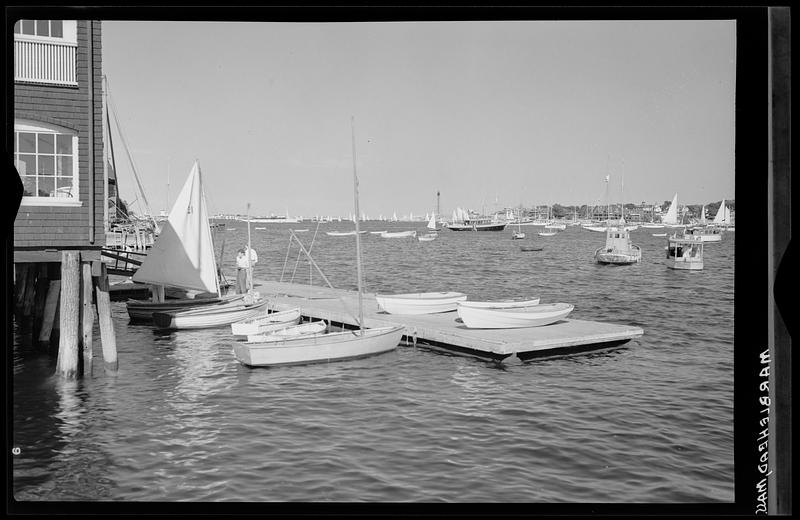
333,346
519,234
181,257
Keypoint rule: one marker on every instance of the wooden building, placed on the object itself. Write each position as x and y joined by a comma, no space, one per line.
58,155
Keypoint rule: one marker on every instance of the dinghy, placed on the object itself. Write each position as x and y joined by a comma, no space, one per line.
306,329
398,234
209,317
333,346
512,317
266,322
325,347
419,303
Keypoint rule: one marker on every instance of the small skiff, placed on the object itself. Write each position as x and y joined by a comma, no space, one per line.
306,329
209,317
266,322
531,248
398,234
513,317
427,237
420,303
499,304
319,348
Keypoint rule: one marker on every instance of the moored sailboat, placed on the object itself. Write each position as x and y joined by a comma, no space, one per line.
181,257
333,346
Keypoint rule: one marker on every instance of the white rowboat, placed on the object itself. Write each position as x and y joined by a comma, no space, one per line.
319,348
513,317
420,303
398,234
266,322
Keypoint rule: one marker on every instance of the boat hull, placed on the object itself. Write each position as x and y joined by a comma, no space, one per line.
420,303
398,234
693,265
266,323
142,311
513,317
322,348
618,257
477,227
501,304
210,317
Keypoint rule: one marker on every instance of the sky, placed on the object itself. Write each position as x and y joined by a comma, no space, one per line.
490,114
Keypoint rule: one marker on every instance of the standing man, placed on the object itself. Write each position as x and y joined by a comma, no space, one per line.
242,267
253,257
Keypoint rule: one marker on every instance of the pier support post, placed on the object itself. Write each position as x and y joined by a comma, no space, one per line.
50,312
87,316
67,364
42,285
158,293
107,337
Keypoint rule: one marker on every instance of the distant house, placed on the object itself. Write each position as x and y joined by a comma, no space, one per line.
58,139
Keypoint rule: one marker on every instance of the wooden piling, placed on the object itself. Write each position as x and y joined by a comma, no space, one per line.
20,283
107,338
30,290
87,316
50,311
158,293
67,364
42,285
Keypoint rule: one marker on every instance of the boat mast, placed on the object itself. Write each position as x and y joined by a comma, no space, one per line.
249,262
358,235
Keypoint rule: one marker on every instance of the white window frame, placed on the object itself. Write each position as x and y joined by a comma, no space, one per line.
69,33
21,125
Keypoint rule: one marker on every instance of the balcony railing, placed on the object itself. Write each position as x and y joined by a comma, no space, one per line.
45,62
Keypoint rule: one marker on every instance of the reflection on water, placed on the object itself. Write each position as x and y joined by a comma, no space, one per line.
648,421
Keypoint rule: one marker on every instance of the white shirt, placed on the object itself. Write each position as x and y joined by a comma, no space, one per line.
241,261
253,256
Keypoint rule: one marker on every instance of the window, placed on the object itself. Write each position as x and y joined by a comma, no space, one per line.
46,28
45,52
46,158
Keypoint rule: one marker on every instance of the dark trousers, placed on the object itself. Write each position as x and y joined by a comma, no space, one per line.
241,281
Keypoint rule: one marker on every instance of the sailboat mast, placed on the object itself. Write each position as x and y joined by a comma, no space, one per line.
249,256
358,235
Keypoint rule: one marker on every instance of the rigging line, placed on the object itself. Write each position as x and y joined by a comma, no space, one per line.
344,303
286,260
112,105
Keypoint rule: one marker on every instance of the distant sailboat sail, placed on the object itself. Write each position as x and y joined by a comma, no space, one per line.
703,215
672,213
723,214
183,254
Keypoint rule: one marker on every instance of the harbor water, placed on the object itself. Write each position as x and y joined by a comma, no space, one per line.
649,421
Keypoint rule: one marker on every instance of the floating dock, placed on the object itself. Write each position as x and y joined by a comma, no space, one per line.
444,330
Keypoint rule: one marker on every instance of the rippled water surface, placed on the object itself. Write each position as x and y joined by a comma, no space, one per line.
182,420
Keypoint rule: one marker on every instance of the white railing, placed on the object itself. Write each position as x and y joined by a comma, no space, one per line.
45,62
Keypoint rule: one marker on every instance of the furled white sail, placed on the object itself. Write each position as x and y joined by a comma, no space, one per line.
723,214
183,254
672,213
